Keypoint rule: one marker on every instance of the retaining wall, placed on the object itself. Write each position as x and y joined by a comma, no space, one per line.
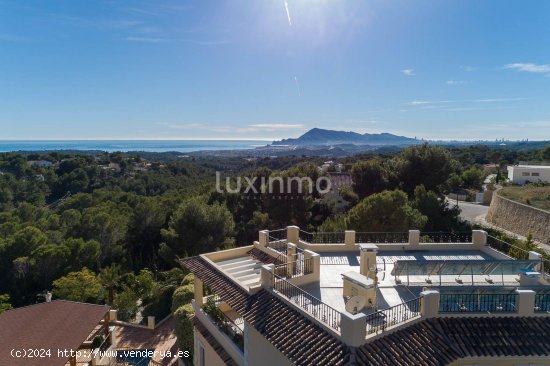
519,218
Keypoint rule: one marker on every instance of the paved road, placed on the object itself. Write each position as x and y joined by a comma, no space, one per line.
469,211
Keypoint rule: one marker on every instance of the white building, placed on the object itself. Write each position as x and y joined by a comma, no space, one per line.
331,165
375,299
522,174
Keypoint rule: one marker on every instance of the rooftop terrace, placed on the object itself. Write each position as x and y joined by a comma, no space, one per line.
358,286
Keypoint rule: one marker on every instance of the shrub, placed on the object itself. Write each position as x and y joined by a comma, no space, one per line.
184,328
161,303
182,296
188,279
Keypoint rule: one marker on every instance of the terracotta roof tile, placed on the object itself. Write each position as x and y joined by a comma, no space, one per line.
439,341
296,336
50,325
214,343
432,342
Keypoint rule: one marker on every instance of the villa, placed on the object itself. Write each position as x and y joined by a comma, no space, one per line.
352,298
529,173
57,333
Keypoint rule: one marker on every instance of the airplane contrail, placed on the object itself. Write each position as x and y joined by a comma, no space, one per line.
288,13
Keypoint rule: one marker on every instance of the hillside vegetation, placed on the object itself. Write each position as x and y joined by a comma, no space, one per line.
538,197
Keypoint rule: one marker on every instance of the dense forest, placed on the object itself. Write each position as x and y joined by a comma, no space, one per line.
108,228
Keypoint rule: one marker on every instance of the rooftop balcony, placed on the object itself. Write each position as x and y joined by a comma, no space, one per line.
360,285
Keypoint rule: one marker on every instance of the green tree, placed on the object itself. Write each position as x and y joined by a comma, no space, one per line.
369,177
49,261
108,224
109,278
333,224
435,208
386,211
126,304
473,177
82,253
148,217
197,227
545,153
83,286
454,183
259,221
5,303
424,164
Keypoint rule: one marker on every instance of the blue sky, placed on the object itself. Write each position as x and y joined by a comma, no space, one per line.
235,69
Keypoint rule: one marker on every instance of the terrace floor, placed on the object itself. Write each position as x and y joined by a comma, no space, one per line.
162,339
390,293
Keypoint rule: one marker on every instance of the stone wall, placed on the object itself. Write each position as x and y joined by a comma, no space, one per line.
519,218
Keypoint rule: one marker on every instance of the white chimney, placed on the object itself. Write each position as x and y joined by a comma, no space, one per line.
48,296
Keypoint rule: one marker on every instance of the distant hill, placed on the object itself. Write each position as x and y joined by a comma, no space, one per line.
319,136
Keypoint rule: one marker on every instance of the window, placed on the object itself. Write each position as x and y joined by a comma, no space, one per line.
525,174
535,174
201,355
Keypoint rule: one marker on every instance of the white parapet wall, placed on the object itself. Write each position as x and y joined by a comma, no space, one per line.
479,241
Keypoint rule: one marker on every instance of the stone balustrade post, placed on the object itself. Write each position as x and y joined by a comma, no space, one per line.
263,238
315,263
293,234
266,276
526,302
479,239
429,303
151,322
291,258
349,238
353,328
414,239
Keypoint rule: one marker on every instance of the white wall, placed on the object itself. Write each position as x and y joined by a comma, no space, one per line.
515,174
259,351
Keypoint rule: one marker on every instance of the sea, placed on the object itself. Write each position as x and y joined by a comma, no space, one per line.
130,145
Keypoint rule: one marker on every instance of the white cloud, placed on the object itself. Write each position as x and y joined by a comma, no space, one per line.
277,126
186,126
362,121
145,39
492,100
162,40
469,68
427,102
207,42
457,82
288,13
258,127
408,72
529,67
433,103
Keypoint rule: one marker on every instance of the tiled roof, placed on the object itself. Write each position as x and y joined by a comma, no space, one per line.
293,334
432,342
226,358
439,341
49,325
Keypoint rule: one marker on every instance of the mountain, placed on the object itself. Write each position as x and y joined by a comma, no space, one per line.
319,136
